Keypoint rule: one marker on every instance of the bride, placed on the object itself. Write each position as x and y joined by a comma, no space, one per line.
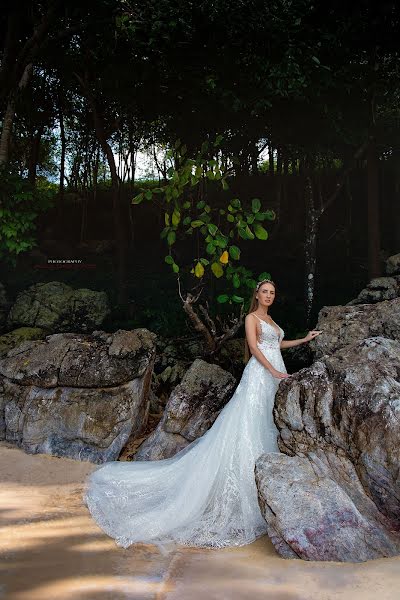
205,495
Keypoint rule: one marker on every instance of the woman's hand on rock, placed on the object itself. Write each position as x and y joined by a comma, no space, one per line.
311,335
279,374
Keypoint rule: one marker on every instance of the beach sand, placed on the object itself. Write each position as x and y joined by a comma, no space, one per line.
51,549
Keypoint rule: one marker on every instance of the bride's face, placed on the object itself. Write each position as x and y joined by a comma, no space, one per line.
266,294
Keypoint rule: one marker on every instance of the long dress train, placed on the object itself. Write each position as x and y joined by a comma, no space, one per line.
205,495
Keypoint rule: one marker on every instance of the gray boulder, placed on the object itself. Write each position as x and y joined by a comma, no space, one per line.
310,516
377,290
393,265
77,395
336,493
56,307
343,325
192,408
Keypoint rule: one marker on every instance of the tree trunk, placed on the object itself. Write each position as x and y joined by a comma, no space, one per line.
62,158
374,242
34,155
279,160
7,130
310,247
270,160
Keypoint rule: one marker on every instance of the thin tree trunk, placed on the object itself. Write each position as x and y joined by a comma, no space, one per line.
279,160
271,160
34,155
6,131
310,248
62,158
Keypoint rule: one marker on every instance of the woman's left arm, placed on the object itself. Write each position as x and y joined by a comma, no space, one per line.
291,343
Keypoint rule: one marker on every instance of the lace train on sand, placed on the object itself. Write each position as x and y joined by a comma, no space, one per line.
206,494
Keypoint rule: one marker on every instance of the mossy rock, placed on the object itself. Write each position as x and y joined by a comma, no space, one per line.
17,336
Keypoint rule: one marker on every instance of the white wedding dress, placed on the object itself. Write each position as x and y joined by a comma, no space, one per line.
205,495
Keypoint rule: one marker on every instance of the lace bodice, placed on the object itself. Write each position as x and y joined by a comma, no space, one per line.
268,337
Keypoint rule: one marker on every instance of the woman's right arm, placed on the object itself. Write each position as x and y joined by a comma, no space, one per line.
251,336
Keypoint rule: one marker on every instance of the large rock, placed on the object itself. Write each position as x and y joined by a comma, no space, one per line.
378,290
191,409
310,516
343,325
393,265
56,307
77,395
336,495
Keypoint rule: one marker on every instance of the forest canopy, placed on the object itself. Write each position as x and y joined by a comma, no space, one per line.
219,94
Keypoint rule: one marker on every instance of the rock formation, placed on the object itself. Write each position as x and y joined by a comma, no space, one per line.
335,492
192,408
76,395
56,307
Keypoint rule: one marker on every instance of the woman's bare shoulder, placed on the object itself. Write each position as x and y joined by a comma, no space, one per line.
250,317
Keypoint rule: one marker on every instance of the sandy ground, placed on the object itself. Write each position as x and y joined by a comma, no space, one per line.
51,549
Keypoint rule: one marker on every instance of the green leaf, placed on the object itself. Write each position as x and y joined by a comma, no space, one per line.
186,220
148,195
138,199
201,204
236,280
230,218
222,298
236,203
221,241
175,268
171,237
169,260
234,251
217,269
210,248
197,223
261,233
186,205
225,186
176,217
255,205
166,219
237,299
204,261
199,270
251,283
212,228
